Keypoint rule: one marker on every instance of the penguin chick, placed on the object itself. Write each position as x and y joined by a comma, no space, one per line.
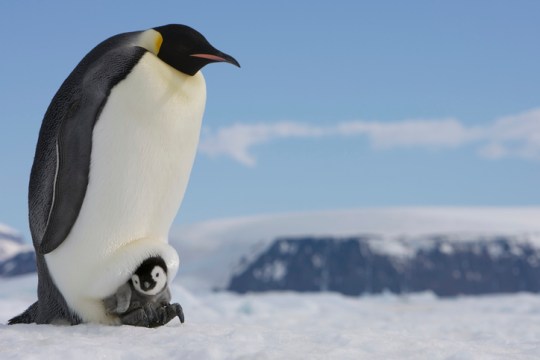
145,299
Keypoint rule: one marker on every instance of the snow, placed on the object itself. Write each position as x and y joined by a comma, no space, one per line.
274,271
213,250
11,243
291,326
9,248
6,231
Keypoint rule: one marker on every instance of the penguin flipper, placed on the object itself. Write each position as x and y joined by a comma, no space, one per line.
123,298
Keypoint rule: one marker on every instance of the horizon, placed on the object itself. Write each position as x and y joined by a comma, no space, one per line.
390,220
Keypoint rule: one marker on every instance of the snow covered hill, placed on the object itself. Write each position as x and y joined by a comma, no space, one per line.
213,252
446,265
16,257
10,242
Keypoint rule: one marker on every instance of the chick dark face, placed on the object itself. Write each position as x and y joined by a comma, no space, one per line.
187,50
151,277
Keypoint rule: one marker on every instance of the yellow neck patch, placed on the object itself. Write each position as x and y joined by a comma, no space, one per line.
151,40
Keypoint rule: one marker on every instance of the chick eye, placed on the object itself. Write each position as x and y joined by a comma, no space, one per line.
157,275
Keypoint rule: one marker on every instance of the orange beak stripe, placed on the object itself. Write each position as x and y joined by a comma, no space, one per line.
209,57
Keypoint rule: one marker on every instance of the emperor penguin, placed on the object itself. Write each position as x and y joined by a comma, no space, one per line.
112,163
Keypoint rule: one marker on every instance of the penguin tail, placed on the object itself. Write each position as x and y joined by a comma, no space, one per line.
27,317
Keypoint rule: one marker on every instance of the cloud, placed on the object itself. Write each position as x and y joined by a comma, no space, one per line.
236,140
510,136
517,136
427,133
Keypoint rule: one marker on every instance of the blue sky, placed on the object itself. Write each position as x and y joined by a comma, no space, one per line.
337,105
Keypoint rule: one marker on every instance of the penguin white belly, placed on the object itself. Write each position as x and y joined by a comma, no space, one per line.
143,147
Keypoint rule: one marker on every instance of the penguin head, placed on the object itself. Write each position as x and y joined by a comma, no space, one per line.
151,276
187,50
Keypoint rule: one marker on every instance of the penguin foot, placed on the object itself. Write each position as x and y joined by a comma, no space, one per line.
28,316
150,316
166,313
178,311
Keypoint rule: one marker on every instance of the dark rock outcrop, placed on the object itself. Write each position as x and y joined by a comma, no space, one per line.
351,266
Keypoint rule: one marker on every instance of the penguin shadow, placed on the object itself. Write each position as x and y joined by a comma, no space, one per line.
144,300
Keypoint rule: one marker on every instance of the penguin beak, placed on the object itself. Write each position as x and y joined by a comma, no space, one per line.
218,57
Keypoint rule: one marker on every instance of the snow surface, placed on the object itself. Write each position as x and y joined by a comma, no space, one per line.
291,326
210,252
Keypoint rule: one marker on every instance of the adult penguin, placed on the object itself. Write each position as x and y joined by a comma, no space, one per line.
112,163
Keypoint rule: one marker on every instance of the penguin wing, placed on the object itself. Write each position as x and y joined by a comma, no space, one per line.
123,297
61,168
